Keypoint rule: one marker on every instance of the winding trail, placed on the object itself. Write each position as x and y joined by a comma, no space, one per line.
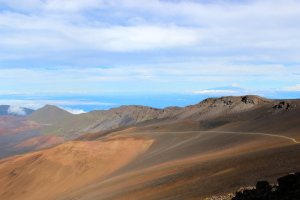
253,133
267,134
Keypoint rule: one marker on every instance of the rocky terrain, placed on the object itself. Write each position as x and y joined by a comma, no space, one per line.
288,188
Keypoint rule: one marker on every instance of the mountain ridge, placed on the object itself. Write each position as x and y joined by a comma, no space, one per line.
64,123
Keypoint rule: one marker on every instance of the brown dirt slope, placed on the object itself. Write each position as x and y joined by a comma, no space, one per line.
41,142
50,173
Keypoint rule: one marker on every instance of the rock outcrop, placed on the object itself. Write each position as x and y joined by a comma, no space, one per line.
288,188
285,105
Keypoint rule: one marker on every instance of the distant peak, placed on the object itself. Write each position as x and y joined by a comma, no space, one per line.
51,107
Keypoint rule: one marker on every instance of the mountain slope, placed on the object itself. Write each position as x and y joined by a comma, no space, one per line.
66,124
217,107
49,114
50,173
14,130
38,143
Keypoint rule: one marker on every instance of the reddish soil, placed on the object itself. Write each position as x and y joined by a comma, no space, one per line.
10,124
4,132
51,173
42,142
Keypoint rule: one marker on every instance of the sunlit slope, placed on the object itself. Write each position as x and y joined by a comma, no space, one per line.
38,143
196,164
51,173
10,124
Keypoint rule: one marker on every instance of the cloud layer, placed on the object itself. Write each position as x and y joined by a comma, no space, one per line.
16,110
38,103
100,46
130,25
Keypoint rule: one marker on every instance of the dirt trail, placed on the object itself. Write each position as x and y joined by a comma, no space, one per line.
253,133
267,134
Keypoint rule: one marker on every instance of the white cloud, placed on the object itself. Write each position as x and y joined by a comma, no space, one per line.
36,104
73,111
222,25
16,110
149,44
292,88
33,33
148,77
214,91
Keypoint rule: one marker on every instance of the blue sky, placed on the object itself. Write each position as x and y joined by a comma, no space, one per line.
107,51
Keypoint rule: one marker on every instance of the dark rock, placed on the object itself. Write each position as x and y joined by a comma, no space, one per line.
247,100
289,182
284,105
288,189
262,185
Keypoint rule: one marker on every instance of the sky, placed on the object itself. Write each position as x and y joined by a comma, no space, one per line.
97,54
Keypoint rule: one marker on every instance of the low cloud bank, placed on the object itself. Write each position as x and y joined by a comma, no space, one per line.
214,91
17,110
73,111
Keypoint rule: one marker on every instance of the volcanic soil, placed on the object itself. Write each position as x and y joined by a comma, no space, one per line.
50,173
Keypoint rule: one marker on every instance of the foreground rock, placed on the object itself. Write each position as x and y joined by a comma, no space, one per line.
288,188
